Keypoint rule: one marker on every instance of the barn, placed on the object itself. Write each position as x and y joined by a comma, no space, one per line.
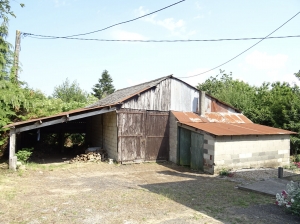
166,119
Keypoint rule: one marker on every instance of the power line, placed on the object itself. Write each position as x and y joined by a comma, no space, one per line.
241,52
82,34
158,41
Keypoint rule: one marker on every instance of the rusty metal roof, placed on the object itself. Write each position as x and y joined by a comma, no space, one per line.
71,112
226,124
212,117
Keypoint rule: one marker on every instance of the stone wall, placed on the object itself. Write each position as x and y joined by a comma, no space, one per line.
208,153
173,138
251,151
110,138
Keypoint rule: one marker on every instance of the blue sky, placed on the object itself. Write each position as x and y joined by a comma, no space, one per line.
47,63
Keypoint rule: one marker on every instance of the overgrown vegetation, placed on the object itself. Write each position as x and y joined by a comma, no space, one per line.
24,154
273,104
290,198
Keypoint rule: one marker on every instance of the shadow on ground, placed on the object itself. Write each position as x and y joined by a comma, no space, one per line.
207,195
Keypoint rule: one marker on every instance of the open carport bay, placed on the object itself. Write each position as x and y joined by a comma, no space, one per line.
137,193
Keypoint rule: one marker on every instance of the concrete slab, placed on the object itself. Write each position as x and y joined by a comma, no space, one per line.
269,187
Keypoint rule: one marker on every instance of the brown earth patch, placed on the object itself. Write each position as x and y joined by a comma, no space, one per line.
137,193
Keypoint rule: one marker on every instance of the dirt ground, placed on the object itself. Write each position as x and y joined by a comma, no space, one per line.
129,194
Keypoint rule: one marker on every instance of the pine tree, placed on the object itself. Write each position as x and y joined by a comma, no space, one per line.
104,86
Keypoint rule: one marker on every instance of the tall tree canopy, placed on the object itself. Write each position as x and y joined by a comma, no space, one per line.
104,86
69,92
273,104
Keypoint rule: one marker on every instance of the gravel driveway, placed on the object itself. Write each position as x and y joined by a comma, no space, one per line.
138,193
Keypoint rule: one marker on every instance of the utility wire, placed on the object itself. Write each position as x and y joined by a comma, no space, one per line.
241,52
82,34
158,41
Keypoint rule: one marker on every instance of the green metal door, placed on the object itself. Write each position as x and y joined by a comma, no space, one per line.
184,147
197,142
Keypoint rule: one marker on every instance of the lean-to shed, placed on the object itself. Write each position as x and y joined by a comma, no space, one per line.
217,140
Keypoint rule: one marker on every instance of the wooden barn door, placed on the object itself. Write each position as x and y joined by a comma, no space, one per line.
131,135
157,136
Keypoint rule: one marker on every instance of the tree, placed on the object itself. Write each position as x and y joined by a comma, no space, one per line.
272,104
69,92
104,87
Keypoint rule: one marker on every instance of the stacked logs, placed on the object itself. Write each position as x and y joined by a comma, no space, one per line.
90,157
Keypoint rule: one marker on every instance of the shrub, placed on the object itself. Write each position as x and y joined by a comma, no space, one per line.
290,198
224,172
24,154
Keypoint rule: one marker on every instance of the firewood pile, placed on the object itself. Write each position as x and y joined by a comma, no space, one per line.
97,156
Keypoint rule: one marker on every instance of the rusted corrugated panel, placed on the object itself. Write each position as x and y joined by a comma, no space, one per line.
187,117
227,118
183,97
225,129
156,98
71,112
214,105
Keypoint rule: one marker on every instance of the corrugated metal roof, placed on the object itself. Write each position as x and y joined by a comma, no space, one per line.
227,129
226,117
212,117
77,111
226,124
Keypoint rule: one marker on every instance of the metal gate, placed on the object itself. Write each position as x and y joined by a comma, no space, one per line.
197,142
143,135
190,149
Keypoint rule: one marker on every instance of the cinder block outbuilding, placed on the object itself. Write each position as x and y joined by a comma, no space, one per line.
167,119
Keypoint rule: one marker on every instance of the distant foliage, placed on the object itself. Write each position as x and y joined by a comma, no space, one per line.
69,92
104,86
274,104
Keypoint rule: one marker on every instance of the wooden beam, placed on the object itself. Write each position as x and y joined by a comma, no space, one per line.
63,119
12,150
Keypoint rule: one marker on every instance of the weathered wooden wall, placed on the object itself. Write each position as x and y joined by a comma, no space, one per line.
183,97
157,98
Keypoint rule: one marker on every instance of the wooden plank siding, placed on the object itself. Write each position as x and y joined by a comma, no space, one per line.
143,135
183,97
157,98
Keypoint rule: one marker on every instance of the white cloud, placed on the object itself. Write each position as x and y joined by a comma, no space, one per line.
124,35
170,24
262,60
59,3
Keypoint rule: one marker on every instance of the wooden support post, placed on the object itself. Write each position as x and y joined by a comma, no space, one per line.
12,150
201,103
17,52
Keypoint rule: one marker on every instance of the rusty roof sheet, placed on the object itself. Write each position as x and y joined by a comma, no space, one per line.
188,117
211,117
222,124
71,112
218,117
227,129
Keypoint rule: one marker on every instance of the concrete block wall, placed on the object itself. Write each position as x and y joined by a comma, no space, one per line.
173,131
94,131
208,153
251,151
110,137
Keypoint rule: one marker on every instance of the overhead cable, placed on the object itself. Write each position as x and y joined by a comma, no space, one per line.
96,31
266,37
158,41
